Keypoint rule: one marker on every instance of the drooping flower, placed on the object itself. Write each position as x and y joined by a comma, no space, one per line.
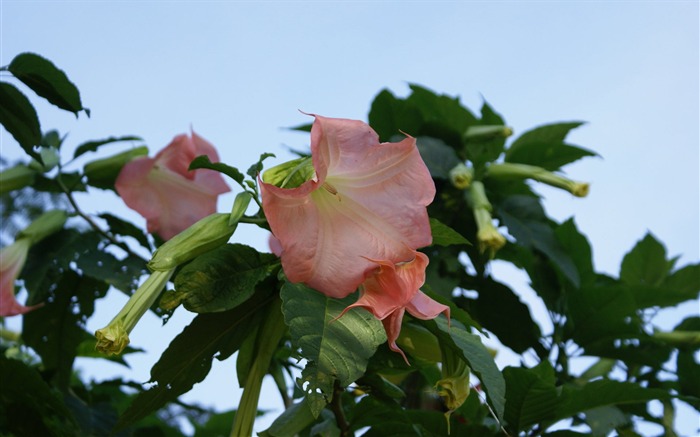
392,289
12,260
364,200
162,190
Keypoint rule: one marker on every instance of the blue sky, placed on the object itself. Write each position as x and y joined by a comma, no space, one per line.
238,72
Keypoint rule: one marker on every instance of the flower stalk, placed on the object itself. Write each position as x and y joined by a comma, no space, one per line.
114,338
490,240
524,171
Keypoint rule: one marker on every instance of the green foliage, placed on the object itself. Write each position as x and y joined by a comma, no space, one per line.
349,380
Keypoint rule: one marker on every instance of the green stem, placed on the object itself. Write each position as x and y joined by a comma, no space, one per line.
268,339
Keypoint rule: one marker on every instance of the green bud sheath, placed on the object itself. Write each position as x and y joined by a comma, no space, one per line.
15,178
102,173
523,171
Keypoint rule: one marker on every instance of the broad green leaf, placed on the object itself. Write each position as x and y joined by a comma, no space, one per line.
476,355
55,330
389,115
18,116
601,314
498,309
92,146
42,76
685,281
579,249
256,168
291,421
335,348
527,222
531,396
16,178
604,420
102,173
72,181
188,358
204,162
118,226
29,406
444,235
223,278
442,114
438,156
603,393
544,147
646,263
218,425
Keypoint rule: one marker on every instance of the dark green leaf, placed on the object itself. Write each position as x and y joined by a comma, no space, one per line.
444,235
388,116
544,147
291,421
604,393
222,279
438,156
28,406
258,166
476,355
56,329
646,263
92,146
218,425
498,309
579,249
335,348
72,182
119,226
527,222
188,358
305,127
204,162
42,76
531,396
18,116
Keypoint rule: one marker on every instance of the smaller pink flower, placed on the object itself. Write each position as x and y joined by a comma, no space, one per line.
391,289
12,259
162,190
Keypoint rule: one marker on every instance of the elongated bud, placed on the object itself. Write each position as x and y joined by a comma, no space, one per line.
113,338
15,178
48,223
102,173
524,171
290,174
454,385
487,132
490,240
461,176
240,205
207,234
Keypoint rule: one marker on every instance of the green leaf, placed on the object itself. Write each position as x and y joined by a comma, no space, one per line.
256,168
444,235
603,393
335,348
204,162
527,222
18,116
119,226
388,116
438,156
188,358
28,405
16,178
601,314
223,278
485,141
646,263
42,76
544,147
498,309
579,249
218,425
531,396
55,330
293,420
476,355
92,146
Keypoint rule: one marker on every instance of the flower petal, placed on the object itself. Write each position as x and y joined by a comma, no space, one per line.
424,308
12,259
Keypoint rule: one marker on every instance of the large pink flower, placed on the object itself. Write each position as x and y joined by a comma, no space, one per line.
12,259
392,289
366,200
170,197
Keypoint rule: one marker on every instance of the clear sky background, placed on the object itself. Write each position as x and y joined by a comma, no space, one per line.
238,72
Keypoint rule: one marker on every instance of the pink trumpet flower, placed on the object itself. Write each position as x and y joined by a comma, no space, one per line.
12,259
365,201
392,289
162,190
